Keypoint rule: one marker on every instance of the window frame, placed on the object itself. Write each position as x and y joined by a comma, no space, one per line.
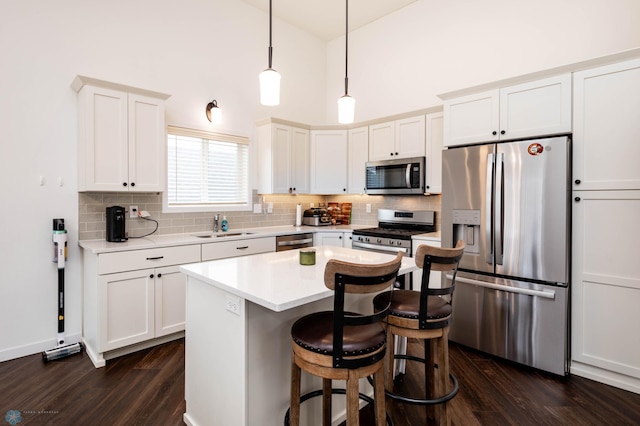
247,205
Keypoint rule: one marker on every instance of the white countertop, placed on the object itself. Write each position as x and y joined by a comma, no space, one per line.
156,241
276,280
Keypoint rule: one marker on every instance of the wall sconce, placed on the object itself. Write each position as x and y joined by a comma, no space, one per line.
214,113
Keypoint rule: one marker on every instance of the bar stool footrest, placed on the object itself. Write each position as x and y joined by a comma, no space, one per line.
334,391
416,401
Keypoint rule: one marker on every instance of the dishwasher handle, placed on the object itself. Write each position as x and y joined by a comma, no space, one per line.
295,242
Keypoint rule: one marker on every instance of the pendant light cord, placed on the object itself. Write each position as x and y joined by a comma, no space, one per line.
270,48
346,51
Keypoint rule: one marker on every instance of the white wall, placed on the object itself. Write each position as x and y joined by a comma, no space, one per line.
401,62
196,50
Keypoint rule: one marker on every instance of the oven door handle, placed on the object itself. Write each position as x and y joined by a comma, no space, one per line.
500,287
381,249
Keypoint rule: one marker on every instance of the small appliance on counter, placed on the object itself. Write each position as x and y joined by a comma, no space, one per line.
116,224
316,217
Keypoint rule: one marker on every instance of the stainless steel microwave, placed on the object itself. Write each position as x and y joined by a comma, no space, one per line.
399,176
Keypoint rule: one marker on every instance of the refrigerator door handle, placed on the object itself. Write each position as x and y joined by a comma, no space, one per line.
499,209
537,293
488,231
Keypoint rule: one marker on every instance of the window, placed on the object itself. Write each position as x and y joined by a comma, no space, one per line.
206,171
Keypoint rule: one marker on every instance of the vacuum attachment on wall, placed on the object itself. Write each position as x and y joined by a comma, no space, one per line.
60,257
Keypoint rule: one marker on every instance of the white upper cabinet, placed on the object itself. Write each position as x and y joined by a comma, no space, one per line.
606,134
358,156
538,108
403,138
328,162
121,138
283,159
433,172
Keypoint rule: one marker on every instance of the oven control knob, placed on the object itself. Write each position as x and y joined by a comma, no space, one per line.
399,243
367,239
378,241
390,242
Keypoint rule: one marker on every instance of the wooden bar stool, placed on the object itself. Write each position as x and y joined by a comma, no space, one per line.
425,315
342,345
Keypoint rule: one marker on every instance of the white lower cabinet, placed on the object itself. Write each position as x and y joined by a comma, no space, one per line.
133,299
339,239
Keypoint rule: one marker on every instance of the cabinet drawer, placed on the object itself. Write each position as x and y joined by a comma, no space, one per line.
131,260
235,248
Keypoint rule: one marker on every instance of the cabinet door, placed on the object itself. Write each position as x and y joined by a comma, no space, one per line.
606,134
329,162
435,277
358,157
606,283
382,141
281,158
410,137
328,239
170,296
126,308
471,119
434,125
299,161
147,144
541,107
103,163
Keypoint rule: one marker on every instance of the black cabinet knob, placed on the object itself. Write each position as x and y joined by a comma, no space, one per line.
124,183
428,186
294,189
151,276
159,275
133,184
578,181
494,133
344,189
502,132
396,153
391,154
577,198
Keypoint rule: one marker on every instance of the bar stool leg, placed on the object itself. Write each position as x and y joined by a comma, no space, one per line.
389,360
430,377
353,400
294,418
444,375
326,402
379,401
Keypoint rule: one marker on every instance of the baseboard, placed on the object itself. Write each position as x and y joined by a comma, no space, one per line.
611,378
37,347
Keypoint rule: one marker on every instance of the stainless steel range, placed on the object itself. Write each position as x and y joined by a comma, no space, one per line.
394,231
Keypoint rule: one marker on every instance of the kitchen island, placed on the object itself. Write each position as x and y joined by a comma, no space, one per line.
239,312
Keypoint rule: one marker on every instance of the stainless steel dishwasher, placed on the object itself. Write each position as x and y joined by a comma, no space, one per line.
294,241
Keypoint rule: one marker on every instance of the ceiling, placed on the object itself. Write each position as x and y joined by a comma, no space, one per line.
326,18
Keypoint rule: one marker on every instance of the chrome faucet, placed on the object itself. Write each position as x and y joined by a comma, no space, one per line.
216,218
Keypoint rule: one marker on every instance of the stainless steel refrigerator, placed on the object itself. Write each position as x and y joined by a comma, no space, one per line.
510,203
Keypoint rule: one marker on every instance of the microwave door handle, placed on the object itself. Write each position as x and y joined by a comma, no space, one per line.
407,176
499,209
488,210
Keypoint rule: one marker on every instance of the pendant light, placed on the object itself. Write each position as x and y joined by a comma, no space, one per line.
269,78
346,104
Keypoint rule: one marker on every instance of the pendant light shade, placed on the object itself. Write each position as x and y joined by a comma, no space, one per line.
269,78
346,104
346,109
270,87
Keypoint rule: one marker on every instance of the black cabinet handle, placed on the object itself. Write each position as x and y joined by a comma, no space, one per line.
124,183
578,181
502,132
494,133
577,198
155,258
242,248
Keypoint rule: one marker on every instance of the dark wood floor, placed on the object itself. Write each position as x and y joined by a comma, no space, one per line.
147,388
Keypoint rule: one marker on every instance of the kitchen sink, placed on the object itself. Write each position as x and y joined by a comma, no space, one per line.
221,235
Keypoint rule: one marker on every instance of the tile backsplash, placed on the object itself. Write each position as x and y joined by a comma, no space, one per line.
92,206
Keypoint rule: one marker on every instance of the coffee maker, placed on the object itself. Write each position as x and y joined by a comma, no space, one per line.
115,224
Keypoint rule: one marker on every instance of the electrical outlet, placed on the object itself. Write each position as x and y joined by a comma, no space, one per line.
257,208
270,208
311,205
368,208
232,304
133,212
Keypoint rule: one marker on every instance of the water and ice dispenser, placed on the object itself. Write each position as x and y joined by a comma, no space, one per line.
466,227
